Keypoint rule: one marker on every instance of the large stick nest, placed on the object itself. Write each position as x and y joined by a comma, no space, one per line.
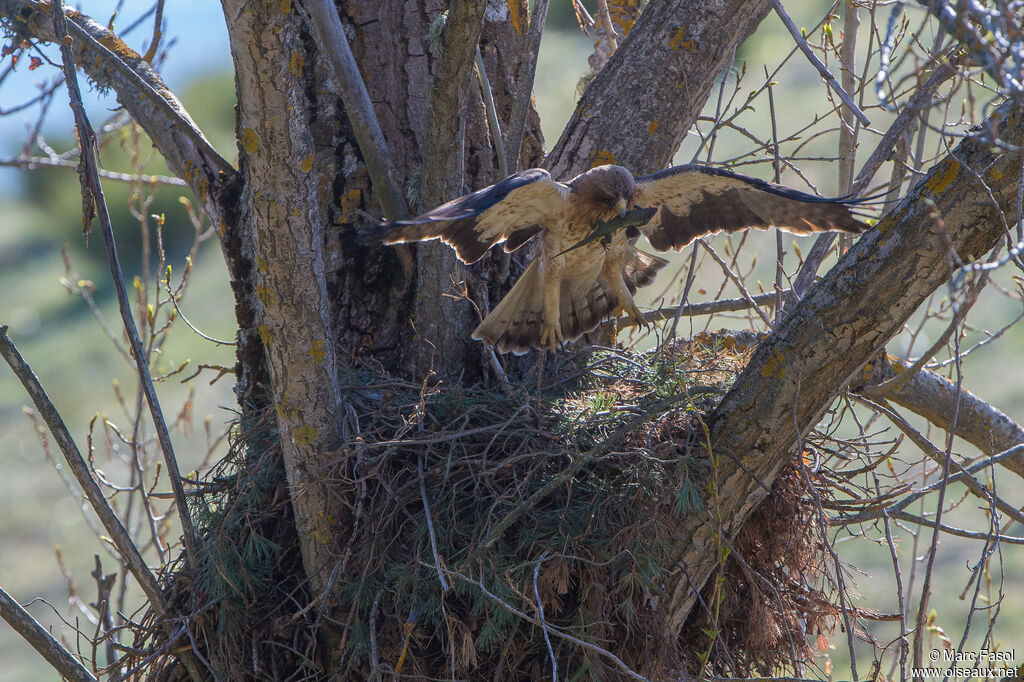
496,533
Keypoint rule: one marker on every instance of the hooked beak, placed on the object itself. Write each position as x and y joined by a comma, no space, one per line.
620,206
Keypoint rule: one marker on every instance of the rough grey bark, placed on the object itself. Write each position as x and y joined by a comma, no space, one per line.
441,320
284,226
841,324
377,314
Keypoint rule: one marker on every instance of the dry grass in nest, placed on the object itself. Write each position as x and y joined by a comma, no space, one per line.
493,533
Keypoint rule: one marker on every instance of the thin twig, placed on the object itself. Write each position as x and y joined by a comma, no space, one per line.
158,32
430,526
725,305
374,663
899,380
921,100
926,591
813,59
119,535
93,191
557,633
33,162
809,270
492,114
59,658
331,40
737,281
780,253
938,456
174,301
498,141
540,616
606,22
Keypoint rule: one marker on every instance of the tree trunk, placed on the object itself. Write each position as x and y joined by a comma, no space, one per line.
306,199
406,321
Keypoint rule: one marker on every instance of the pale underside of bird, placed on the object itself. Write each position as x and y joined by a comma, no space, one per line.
566,291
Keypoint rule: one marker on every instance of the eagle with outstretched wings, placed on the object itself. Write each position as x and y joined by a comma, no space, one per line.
572,285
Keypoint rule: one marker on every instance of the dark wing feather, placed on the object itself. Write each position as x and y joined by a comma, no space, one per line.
514,210
699,200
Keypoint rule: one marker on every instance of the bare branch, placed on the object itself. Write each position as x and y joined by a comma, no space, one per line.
93,191
862,303
120,537
813,59
947,461
639,107
42,641
933,397
722,305
922,99
105,58
331,40
33,162
524,82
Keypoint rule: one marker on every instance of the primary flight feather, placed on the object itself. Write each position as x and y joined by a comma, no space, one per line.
570,288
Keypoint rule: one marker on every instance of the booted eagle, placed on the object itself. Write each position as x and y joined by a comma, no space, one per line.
570,288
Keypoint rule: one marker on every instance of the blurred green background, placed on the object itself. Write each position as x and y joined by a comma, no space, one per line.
78,364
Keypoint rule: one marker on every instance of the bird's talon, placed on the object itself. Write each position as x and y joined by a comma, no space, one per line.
551,337
634,314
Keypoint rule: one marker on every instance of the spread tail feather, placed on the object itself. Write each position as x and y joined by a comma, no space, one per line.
517,323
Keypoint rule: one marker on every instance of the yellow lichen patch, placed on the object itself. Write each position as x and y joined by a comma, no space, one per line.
995,175
191,171
265,295
349,203
118,46
603,157
623,15
296,63
304,435
261,263
513,15
307,163
775,367
654,126
317,351
321,530
678,43
264,331
946,175
250,143
286,6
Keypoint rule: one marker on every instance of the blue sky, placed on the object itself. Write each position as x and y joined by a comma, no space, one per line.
200,46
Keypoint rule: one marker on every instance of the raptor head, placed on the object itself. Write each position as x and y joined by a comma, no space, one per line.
610,186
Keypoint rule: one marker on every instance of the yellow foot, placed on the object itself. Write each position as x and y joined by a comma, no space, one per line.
551,336
634,313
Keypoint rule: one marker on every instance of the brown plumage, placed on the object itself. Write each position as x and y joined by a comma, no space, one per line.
566,293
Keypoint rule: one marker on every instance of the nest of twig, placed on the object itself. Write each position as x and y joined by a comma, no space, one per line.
505,532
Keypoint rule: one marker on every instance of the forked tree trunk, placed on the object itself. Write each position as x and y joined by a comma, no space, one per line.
306,198
306,204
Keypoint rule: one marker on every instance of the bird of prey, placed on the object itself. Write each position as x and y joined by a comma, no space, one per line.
570,288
